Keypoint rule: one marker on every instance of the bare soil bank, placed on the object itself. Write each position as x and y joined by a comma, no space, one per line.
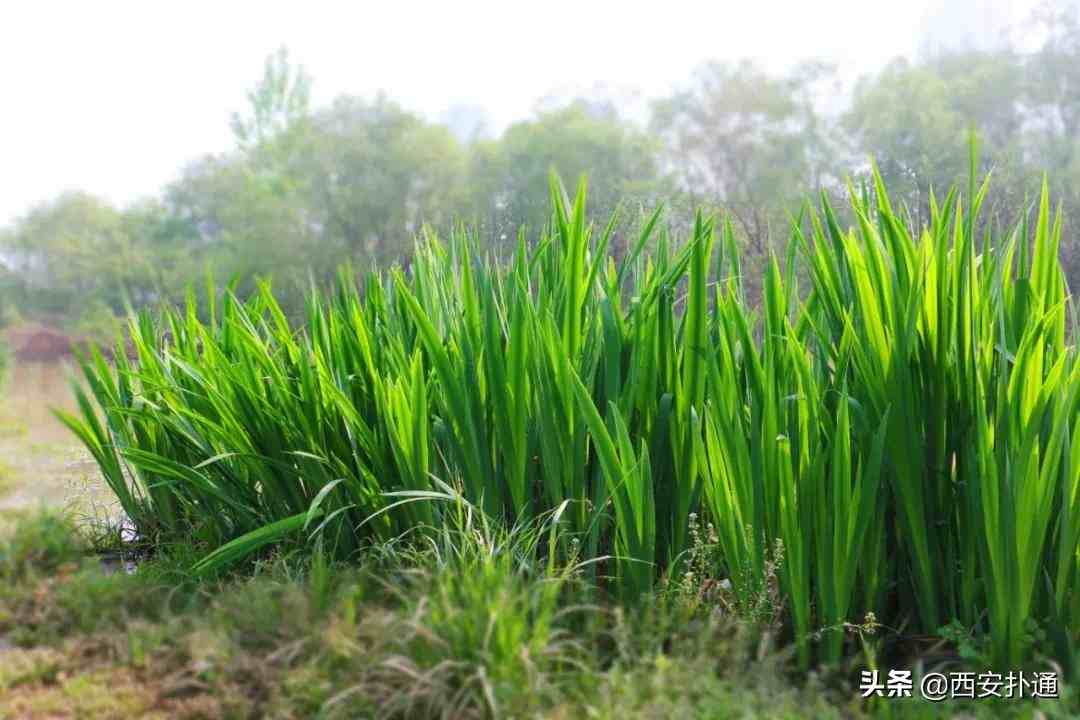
40,461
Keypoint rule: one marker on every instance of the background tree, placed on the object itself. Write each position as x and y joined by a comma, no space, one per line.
915,120
744,139
1052,117
74,257
510,175
278,105
377,173
305,189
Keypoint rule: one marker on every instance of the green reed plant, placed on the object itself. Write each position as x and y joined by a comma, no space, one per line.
900,428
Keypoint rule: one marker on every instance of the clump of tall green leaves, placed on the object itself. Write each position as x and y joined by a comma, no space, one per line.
901,430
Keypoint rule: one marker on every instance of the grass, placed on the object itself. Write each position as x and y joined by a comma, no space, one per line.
5,363
5,471
889,440
6,482
462,629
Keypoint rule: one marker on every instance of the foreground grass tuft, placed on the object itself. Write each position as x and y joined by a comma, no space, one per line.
456,632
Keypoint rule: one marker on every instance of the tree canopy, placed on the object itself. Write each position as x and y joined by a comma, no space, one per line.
306,188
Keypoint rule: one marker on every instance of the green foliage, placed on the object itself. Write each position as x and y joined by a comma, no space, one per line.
464,628
277,104
896,442
750,141
5,363
306,188
510,175
914,119
475,624
40,543
74,249
377,174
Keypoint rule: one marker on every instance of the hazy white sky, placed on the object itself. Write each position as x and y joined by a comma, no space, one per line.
114,96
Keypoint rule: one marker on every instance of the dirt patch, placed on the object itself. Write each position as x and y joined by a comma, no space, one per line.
48,687
41,462
44,346
38,343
